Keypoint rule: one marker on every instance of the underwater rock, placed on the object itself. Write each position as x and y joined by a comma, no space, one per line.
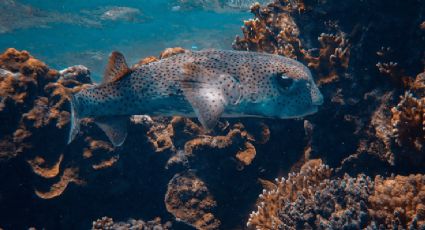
190,201
107,223
121,13
114,14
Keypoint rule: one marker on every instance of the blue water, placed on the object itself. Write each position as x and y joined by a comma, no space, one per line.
69,32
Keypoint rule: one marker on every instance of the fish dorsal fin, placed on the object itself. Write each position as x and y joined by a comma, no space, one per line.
115,128
117,68
208,93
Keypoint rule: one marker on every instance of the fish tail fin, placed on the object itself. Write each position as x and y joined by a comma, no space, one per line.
75,120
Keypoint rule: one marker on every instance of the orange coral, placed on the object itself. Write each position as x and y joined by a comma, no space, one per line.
274,31
35,106
46,172
184,133
408,120
190,201
271,202
334,57
69,175
398,202
170,52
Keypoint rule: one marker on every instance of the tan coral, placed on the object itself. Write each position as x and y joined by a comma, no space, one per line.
408,119
39,167
271,201
399,201
334,57
273,30
236,135
70,175
106,163
190,201
23,63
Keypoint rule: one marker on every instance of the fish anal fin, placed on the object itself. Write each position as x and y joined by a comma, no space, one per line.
117,68
115,128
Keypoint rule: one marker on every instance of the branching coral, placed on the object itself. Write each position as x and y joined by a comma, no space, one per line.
398,202
274,30
106,223
313,199
190,201
408,119
310,199
333,59
408,122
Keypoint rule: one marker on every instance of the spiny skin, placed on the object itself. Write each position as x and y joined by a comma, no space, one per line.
161,88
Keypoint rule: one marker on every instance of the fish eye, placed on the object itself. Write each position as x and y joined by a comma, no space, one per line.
284,82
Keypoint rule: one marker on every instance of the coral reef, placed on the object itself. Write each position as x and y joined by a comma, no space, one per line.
363,55
274,30
398,202
56,189
189,200
408,123
35,109
106,223
184,134
310,199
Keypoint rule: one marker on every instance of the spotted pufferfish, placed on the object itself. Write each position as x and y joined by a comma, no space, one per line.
206,84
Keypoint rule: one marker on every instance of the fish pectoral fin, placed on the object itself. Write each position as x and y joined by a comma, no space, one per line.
117,68
208,104
208,94
115,128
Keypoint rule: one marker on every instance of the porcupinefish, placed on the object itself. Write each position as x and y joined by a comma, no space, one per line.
206,84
